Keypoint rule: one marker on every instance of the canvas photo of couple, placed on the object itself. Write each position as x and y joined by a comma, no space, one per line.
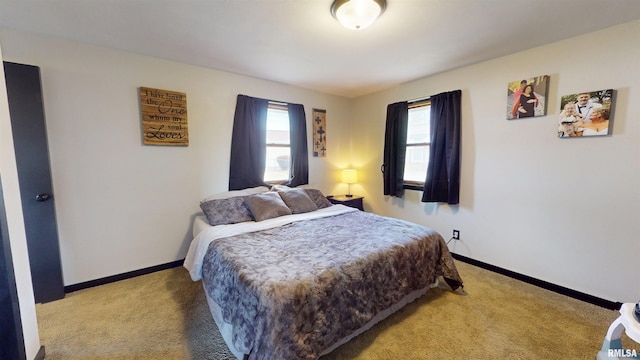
586,114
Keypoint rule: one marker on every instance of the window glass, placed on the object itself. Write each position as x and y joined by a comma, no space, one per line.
278,145
418,141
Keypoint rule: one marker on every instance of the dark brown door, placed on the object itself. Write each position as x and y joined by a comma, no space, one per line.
32,157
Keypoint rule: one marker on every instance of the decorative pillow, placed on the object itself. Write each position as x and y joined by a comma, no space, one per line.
236,193
226,211
307,186
318,198
267,205
298,201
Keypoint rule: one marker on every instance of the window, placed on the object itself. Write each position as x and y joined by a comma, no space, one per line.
418,142
442,179
278,158
247,166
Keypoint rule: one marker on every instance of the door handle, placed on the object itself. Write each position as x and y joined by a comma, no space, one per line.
42,197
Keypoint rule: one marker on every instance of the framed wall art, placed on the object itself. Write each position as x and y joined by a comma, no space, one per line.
164,117
587,113
527,97
319,133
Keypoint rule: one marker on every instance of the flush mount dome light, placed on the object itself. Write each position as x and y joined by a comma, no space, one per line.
357,14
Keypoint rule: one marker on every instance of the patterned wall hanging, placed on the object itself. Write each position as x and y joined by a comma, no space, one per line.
319,133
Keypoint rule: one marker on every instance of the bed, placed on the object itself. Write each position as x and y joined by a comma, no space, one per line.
296,283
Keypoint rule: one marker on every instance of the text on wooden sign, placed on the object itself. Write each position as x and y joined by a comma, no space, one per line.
164,117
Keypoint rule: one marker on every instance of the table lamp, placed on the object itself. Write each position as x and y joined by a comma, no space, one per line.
349,176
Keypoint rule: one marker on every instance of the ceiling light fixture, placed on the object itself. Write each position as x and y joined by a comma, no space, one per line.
357,14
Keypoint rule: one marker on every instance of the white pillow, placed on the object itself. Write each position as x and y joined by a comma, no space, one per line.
234,193
287,188
277,188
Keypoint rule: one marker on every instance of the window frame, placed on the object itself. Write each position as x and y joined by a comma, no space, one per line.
411,184
282,107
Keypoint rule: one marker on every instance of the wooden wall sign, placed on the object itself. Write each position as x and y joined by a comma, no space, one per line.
164,117
319,133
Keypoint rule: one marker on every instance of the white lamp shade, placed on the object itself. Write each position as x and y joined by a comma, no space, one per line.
357,14
349,176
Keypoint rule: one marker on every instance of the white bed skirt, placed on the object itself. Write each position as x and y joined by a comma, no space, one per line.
226,328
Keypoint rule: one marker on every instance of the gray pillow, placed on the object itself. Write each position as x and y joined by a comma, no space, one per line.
226,211
298,201
267,205
318,198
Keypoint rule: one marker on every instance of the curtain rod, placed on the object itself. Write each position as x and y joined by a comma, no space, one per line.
274,102
419,99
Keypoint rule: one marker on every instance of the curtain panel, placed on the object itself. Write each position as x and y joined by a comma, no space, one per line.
248,143
395,148
443,172
299,169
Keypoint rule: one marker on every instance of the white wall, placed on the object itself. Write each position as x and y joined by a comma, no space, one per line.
15,224
566,211
122,205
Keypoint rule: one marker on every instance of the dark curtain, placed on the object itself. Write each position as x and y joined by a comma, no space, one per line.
443,172
248,143
299,170
395,148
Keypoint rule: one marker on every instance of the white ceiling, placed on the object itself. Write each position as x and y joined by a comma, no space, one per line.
298,42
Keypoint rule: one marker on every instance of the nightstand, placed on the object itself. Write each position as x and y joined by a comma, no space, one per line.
353,201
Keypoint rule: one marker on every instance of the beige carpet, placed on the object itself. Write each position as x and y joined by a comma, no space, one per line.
164,316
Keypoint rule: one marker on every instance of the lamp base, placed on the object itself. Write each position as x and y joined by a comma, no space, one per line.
349,195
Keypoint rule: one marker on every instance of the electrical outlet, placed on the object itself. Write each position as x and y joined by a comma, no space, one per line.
456,234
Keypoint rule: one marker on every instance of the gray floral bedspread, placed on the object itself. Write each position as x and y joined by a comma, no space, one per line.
293,291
